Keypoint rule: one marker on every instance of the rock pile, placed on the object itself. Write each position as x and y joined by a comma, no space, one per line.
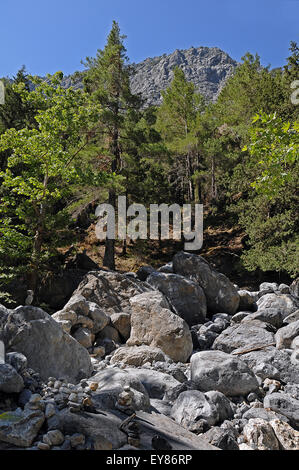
205,364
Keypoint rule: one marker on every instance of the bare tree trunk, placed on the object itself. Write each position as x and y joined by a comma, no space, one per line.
109,256
214,194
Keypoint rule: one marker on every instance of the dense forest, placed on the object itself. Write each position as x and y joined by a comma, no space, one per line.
62,149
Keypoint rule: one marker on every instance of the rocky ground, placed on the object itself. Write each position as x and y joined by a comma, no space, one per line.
175,358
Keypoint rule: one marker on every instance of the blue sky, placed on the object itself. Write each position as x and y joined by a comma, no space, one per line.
52,35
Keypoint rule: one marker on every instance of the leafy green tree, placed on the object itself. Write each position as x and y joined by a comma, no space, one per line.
43,165
177,119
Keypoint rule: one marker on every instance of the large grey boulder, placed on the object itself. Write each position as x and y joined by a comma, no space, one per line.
194,405
10,380
284,404
49,350
286,335
287,304
244,336
156,383
294,288
154,324
137,355
291,318
110,290
102,428
267,315
186,297
247,300
259,435
177,436
20,427
111,382
220,293
272,363
216,370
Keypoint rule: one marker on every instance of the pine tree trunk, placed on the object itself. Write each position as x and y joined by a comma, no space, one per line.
214,194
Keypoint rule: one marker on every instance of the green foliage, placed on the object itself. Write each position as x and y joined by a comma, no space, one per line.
43,164
274,145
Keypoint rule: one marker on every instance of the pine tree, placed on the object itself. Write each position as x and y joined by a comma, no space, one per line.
108,81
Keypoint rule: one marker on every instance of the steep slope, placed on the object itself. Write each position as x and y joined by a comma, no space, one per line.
207,67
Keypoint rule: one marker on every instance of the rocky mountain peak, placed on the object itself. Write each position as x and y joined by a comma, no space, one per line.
207,67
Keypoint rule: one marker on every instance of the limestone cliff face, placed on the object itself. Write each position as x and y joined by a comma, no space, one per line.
207,67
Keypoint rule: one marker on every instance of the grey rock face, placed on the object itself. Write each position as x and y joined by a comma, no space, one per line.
110,290
220,293
156,383
222,438
267,315
154,324
247,300
216,370
10,380
276,362
20,428
137,355
186,296
102,429
194,405
48,349
244,336
283,302
284,404
208,68
285,335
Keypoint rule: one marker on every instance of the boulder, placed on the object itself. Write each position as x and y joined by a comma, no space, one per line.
216,370
178,437
122,323
259,435
285,335
291,318
267,315
49,350
286,435
220,293
157,384
283,302
186,297
110,290
10,380
244,336
137,355
193,405
144,271
222,438
102,429
153,324
272,363
20,427
111,382
247,300
284,404
294,288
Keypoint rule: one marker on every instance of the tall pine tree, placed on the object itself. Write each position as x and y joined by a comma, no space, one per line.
108,81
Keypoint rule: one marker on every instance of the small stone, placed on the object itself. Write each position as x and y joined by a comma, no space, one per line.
77,439
50,410
93,386
53,438
43,446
